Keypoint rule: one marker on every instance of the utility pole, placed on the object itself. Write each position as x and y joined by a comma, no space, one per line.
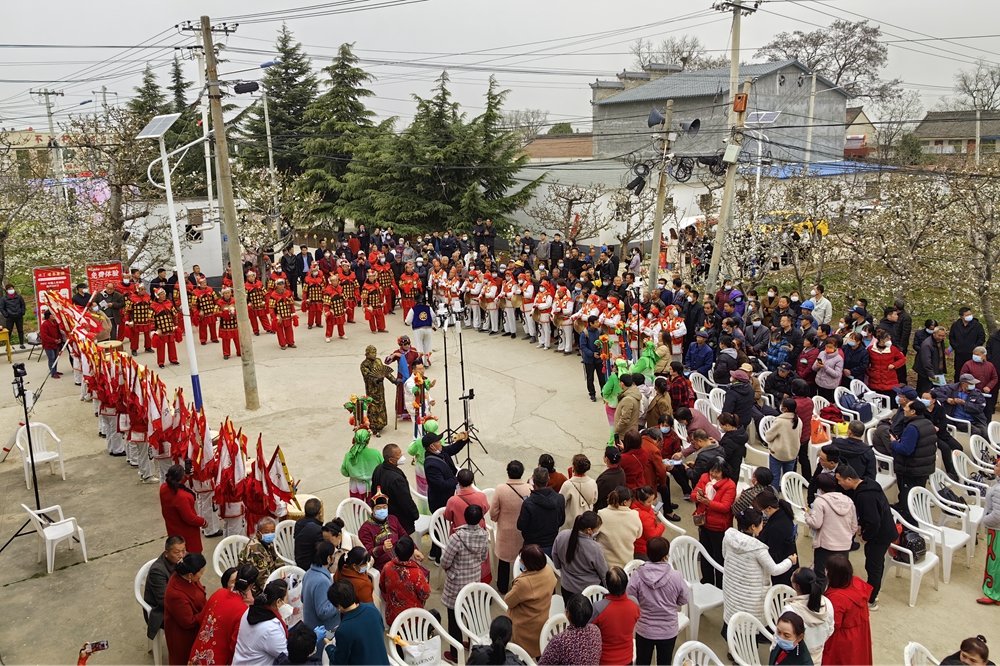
726,209
270,159
811,120
734,52
228,205
207,147
979,131
54,145
661,200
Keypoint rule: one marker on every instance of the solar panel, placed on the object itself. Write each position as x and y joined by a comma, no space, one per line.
158,126
762,117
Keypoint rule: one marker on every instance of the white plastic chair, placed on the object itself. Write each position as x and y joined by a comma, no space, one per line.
965,467
757,457
765,424
852,415
416,625
983,452
51,532
139,588
774,601
284,541
885,470
993,432
701,384
420,501
819,402
917,569
707,410
516,567
973,500
741,638
670,526
474,611
284,572
766,397
632,565
39,444
554,626
684,557
795,488
375,576
717,397
227,553
915,654
440,529
693,653
354,513
521,654
921,503
594,593
557,606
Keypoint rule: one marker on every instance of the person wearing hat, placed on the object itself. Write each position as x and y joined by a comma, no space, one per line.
281,303
373,299
700,357
380,533
161,282
964,401
914,453
980,368
349,283
441,471
257,304
139,318
312,296
779,383
227,322
739,398
208,311
334,307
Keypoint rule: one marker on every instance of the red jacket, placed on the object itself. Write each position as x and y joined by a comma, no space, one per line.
655,470
634,465
804,366
804,410
183,608
851,642
404,585
216,641
180,517
651,527
880,377
985,372
616,619
720,510
50,334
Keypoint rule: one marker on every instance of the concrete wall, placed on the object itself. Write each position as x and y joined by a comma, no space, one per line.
620,128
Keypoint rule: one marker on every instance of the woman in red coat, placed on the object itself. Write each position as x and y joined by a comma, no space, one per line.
183,606
651,527
851,641
634,461
177,506
220,624
714,496
884,358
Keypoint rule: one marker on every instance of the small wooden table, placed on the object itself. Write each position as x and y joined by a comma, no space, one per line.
295,510
5,339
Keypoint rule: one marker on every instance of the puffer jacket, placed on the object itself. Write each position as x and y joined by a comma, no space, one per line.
740,401
748,571
819,624
660,591
783,439
880,377
719,511
835,520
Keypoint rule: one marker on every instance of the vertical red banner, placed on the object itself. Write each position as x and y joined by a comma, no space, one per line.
100,275
51,278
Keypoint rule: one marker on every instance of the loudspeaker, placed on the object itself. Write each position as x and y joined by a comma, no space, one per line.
691,128
244,87
655,118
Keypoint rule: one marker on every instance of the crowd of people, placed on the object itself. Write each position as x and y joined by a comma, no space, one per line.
563,532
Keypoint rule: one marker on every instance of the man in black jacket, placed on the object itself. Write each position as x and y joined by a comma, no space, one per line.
914,453
931,360
394,485
878,527
904,326
855,452
542,513
290,266
308,532
965,335
441,472
156,582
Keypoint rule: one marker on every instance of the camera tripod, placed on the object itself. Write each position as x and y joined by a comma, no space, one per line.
23,396
452,317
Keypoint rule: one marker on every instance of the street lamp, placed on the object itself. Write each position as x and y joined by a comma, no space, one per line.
156,129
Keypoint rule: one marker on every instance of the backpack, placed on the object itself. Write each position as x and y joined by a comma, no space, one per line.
853,403
910,540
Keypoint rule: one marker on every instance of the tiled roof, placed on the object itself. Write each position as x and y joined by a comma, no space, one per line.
852,114
957,125
699,83
562,146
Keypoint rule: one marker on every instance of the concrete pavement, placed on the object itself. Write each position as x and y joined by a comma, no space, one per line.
528,401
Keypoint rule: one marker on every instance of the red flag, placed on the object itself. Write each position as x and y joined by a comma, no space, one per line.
277,475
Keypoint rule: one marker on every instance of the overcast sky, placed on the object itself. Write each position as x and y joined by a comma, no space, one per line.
582,38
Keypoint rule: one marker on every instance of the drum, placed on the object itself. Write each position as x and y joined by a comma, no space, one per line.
558,320
501,303
517,301
579,325
110,345
295,510
536,315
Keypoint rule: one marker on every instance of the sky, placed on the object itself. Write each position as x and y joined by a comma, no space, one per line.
545,51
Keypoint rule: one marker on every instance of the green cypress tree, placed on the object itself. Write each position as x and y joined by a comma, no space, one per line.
337,120
291,87
149,100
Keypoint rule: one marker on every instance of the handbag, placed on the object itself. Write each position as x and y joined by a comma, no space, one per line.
912,541
951,496
699,519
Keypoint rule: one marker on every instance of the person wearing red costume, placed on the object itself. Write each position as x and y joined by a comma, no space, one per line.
282,305
276,274
349,283
312,296
227,322
256,304
335,307
386,282
168,331
227,276
139,318
410,285
373,301
408,355
208,312
126,289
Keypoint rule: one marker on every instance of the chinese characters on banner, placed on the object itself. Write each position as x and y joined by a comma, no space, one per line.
100,275
52,278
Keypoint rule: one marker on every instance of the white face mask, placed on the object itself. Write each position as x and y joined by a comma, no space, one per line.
967,318
794,299
812,293
770,294
401,461
10,292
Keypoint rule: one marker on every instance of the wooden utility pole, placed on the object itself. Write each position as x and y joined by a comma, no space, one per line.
228,205
661,201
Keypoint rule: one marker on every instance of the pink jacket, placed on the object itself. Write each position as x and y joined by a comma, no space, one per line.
504,513
834,519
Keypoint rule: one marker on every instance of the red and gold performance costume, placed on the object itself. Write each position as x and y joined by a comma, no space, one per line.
312,297
386,282
228,330
257,304
349,283
410,285
335,307
283,318
208,311
169,331
138,316
373,301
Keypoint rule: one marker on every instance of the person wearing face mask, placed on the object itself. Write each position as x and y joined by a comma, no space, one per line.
390,480
263,634
986,374
884,358
543,312
795,303
965,335
353,569
216,639
381,532
183,607
963,400
856,359
748,567
931,363
768,305
790,647
757,337
260,551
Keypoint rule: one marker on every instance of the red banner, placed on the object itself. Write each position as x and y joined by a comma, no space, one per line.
100,275
52,278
